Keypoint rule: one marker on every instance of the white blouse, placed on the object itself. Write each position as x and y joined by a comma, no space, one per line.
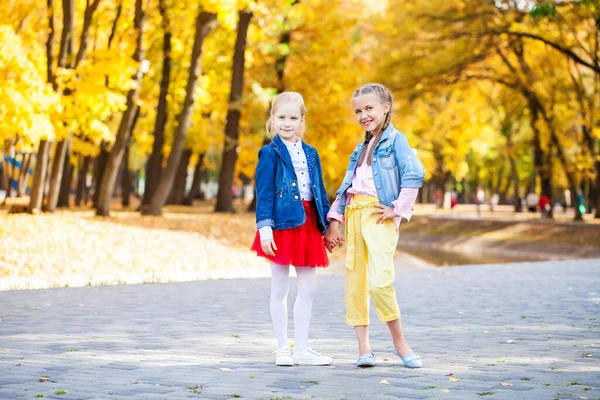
301,168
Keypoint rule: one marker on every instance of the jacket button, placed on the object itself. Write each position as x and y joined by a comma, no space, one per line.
375,173
296,197
374,159
293,183
378,187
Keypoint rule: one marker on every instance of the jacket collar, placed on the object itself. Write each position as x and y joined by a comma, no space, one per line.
384,136
282,150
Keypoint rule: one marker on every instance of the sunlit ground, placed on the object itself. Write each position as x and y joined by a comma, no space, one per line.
76,248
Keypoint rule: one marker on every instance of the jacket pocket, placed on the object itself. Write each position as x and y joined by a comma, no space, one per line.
386,158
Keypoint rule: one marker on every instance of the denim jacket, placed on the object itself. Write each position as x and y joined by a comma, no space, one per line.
395,166
279,203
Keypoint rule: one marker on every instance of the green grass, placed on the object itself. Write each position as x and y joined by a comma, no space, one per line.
485,393
39,396
60,391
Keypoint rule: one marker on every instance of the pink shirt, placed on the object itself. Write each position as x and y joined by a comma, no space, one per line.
363,183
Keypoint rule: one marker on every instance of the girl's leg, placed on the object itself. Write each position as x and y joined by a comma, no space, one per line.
307,287
398,338
280,275
362,335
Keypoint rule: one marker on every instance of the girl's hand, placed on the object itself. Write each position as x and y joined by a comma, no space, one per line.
385,211
269,247
333,236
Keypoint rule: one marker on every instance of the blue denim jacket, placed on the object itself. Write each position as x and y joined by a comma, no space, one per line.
279,203
395,166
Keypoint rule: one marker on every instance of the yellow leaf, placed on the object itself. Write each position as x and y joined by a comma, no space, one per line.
506,384
384,382
453,379
445,390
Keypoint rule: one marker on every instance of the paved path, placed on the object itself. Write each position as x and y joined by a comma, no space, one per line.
212,339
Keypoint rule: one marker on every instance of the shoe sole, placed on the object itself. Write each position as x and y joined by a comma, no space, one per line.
314,365
365,365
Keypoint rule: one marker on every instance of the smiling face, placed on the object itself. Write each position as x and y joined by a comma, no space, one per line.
287,121
370,111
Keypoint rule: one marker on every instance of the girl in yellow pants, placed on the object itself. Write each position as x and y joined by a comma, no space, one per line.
379,189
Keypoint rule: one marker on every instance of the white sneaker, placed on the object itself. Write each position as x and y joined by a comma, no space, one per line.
283,357
311,357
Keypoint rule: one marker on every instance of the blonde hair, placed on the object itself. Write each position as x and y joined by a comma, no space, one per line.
384,96
286,97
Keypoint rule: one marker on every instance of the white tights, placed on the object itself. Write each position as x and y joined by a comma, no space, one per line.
307,287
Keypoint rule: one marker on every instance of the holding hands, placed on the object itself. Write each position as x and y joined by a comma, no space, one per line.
333,237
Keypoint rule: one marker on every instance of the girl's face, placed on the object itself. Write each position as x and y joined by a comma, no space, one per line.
287,121
369,111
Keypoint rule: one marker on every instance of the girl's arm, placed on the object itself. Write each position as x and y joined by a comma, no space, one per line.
334,213
322,187
411,169
265,189
403,207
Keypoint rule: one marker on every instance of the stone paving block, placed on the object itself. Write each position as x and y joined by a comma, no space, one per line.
153,341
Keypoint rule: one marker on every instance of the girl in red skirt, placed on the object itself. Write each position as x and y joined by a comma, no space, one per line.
290,217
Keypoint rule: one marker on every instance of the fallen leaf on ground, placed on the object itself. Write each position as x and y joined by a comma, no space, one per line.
453,379
445,390
225,369
43,378
506,384
384,382
511,341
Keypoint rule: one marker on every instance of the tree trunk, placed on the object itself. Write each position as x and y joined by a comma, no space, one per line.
39,177
177,194
88,15
62,148
154,166
50,43
66,38
116,155
67,181
99,168
126,179
82,172
205,23
195,189
230,146
24,175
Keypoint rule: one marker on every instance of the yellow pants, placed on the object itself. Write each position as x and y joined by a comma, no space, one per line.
369,263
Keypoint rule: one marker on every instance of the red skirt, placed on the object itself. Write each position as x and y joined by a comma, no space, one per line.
302,246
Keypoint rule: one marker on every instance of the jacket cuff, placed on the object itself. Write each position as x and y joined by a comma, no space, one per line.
265,222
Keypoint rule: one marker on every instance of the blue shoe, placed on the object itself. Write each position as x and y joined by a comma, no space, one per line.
410,360
366,360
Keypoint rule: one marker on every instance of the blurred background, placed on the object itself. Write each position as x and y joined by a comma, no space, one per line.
153,112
